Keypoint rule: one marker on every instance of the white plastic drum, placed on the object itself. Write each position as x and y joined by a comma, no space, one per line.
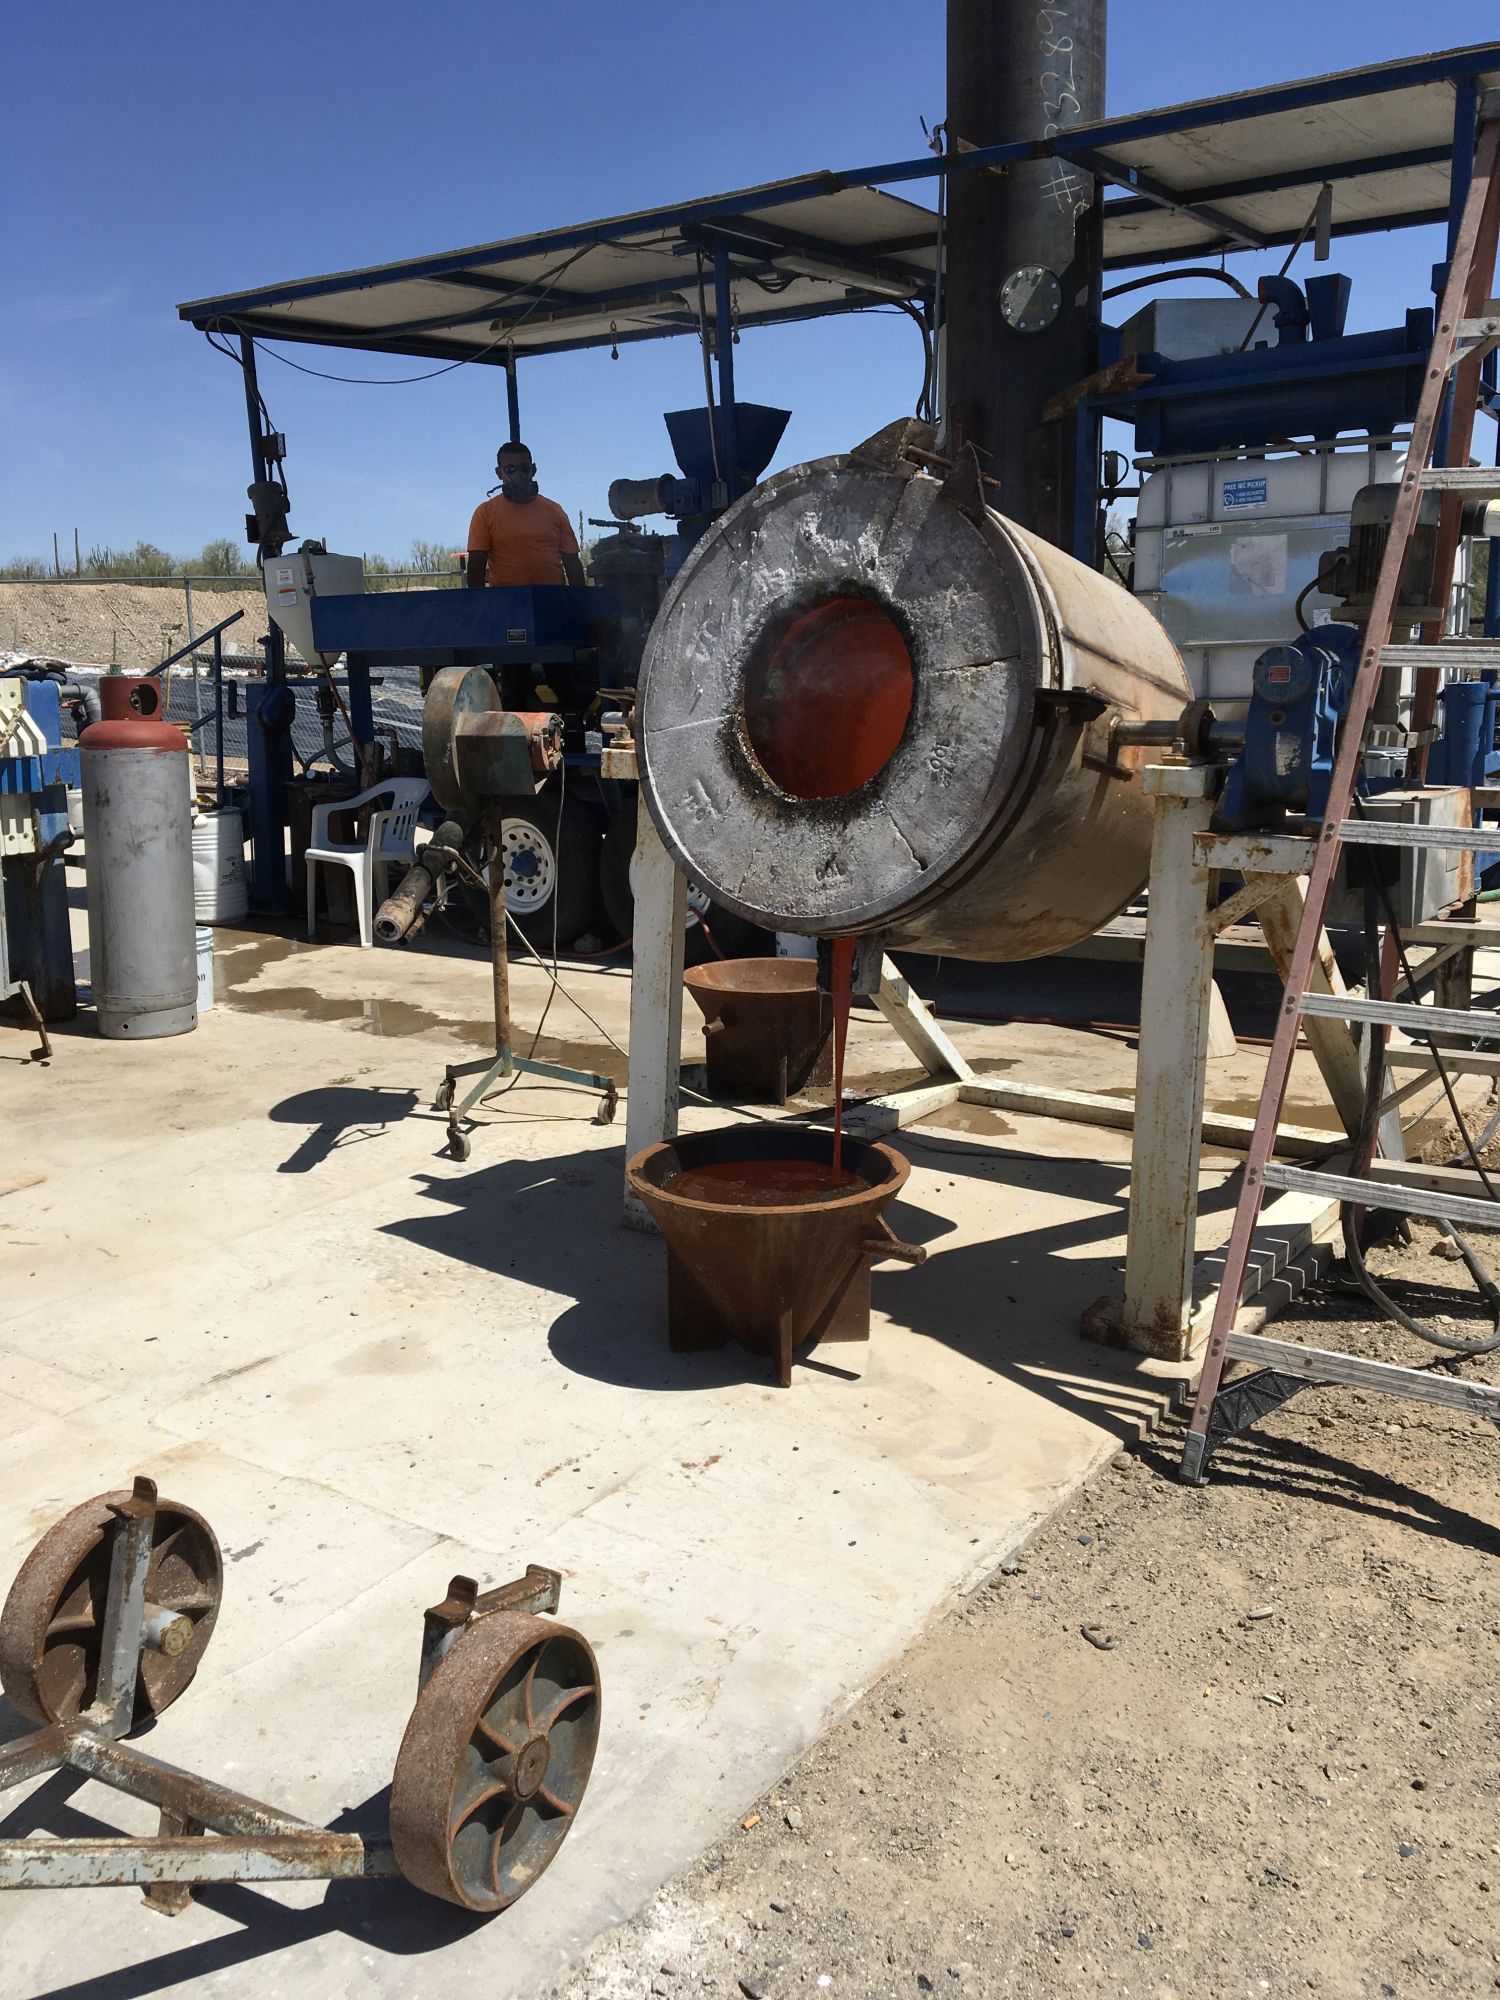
204,943
221,894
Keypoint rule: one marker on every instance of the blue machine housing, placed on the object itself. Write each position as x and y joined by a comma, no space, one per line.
34,887
1465,753
1298,698
510,624
58,763
1316,381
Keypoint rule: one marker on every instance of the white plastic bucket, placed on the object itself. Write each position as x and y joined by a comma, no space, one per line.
221,894
205,961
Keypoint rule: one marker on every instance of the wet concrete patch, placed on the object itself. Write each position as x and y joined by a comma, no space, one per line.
375,1015
981,1119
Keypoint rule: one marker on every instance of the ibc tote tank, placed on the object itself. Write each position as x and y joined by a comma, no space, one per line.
137,823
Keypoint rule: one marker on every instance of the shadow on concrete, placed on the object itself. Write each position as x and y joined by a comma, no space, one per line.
1010,1303
386,1915
1265,1462
340,1115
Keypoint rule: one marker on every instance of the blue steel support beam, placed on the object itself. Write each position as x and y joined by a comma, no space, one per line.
727,420
253,413
1116,171
1290,177
1465,131
270,707
512,400
311,334
1492,579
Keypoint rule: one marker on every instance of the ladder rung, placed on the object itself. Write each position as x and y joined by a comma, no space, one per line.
1459,930
1481,1024
1478,482
1410,833
1438,1203
1322,1364
1390,736
1457,1062
1466,655
1477,336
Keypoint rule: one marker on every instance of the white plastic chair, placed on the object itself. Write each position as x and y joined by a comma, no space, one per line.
392,837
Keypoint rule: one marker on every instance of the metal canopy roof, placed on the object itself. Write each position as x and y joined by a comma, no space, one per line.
1224,173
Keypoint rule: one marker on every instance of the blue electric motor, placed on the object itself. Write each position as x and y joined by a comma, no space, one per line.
1298,698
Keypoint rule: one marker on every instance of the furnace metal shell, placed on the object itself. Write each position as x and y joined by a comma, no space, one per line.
1007,823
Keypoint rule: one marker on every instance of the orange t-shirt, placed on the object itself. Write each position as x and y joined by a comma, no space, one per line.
525,540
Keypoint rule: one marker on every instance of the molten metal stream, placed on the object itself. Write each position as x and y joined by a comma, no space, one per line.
843,981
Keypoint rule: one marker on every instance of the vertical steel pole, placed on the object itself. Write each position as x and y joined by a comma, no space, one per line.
268,730
1176,996
729,443
219,720
1022,73
655,1002
196,664
512,400
252,406
499,942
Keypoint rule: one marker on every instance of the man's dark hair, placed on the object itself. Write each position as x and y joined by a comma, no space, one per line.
514,444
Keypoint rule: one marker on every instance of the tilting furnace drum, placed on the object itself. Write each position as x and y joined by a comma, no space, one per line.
872,705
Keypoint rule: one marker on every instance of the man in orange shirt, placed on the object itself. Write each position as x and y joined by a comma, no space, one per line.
520,536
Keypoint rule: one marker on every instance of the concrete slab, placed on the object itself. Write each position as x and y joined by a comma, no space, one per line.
239,1261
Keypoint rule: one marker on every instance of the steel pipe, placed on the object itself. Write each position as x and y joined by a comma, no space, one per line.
400,910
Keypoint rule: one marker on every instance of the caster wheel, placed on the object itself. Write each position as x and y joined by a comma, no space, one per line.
495,1760
444,1099
52,1628
605,1115
459,1147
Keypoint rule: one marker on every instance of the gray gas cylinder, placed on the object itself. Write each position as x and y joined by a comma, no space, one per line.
138,842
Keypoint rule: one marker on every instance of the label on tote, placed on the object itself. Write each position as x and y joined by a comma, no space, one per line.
1245,493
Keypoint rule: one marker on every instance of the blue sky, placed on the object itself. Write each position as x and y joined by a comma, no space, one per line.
168,152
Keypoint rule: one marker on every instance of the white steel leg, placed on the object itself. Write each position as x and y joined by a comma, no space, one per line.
1176,997
655,1002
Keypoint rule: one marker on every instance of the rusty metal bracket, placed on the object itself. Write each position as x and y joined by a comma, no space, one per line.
537,1591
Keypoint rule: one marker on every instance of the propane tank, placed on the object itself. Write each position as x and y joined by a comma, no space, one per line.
138,842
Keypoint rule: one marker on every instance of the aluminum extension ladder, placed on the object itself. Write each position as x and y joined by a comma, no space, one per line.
1468,326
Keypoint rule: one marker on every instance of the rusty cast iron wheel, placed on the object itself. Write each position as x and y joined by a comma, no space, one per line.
495,1759
52,1628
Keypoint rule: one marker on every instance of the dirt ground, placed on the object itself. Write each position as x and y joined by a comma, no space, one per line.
1273,1769
131,625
